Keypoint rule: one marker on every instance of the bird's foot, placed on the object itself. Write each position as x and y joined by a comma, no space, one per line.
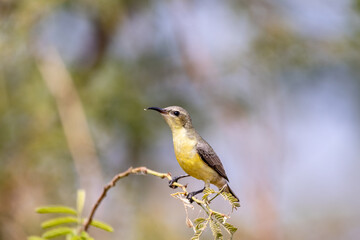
171,182
192,194
175,179
189,197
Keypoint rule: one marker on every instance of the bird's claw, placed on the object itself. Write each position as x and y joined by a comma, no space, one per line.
175,179
171,183
192,194
189,197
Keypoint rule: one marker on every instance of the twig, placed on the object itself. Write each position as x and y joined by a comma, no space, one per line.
217,194
204,204
139,170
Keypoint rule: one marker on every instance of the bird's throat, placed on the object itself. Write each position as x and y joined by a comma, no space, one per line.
184,142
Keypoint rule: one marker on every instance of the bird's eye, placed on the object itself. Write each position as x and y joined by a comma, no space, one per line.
176,113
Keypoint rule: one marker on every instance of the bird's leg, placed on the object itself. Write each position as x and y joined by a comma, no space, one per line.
175,179
192,194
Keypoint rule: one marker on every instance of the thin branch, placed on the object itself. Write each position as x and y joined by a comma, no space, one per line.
180,195
217,194
139,170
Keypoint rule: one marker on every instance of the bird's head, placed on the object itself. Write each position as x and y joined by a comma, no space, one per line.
175,116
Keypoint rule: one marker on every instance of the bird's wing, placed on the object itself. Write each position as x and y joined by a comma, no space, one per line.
209,156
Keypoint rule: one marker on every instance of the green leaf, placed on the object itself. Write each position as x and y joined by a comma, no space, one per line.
236,204
219,216
229,197
101,225
200,227
56,209
199,220
197,234
34,238
216,230
84,235
80,201
58,232
58,221
81,238
230,228
207,192
69,237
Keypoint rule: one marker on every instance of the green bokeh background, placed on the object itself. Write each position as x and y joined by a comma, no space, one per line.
272,85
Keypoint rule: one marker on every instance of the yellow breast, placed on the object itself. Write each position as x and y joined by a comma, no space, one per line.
189,159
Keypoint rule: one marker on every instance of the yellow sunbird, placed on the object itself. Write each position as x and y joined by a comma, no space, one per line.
195,156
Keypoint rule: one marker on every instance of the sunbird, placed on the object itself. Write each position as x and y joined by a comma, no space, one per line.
195,156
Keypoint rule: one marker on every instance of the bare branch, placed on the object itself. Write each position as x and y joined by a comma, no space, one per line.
139,170
216,219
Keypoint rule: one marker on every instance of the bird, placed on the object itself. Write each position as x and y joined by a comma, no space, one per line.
195,156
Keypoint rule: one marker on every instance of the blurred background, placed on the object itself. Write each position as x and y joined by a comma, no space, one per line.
272,85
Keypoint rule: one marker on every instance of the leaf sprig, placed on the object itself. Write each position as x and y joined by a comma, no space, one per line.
215,220
69,225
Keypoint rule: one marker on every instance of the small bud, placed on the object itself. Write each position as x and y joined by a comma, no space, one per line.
189,223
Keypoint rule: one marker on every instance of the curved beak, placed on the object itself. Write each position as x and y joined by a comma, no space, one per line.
160,110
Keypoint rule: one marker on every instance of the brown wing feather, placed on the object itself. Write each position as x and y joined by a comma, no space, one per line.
209,156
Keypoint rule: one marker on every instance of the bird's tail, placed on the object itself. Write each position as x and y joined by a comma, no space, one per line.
228,189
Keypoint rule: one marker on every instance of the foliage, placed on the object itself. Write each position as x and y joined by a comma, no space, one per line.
69,226
215,220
